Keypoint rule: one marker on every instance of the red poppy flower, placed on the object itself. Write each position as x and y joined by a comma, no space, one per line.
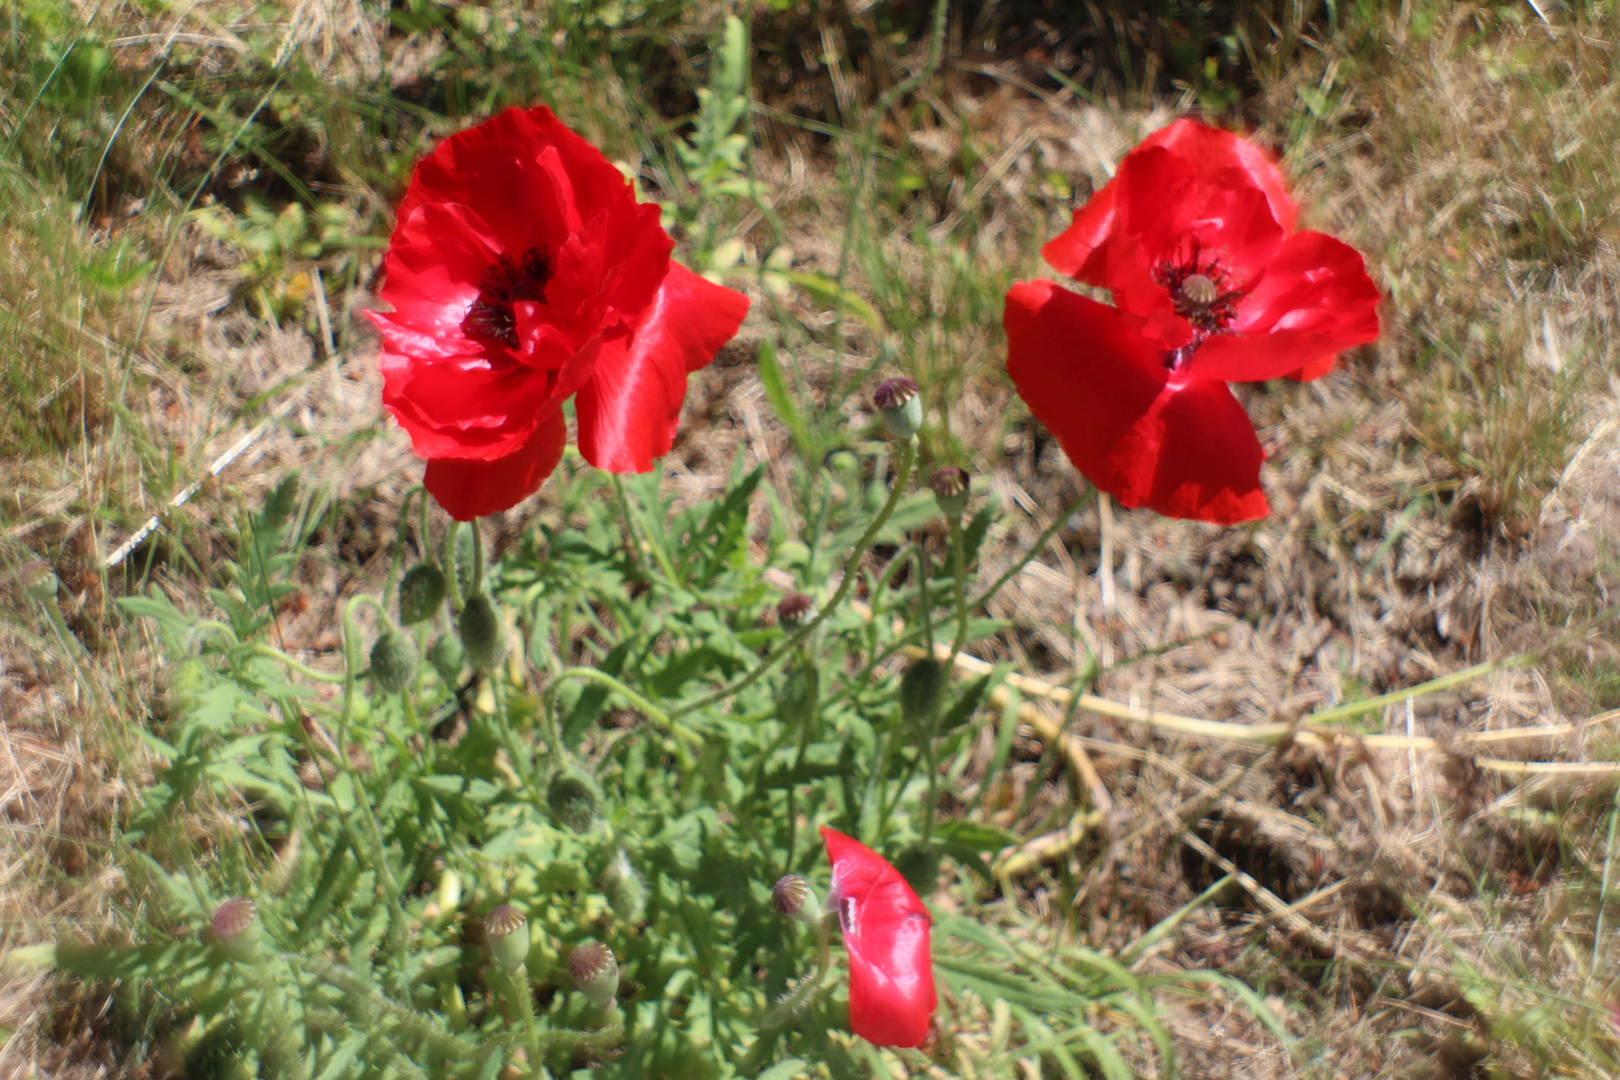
1195,234
1194,239
891,970
522,271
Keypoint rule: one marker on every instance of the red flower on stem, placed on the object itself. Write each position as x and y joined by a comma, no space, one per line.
1194,238
522,271
891,970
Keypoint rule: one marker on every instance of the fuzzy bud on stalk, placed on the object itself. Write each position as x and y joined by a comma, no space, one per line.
421,591
393,660
950,486
38,581
793,897
447,657
900,406
595,972
919,691
235,927
572,800
624,889
794,609
507,931
480,630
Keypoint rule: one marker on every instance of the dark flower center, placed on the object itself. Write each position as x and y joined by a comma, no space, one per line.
511,279
1201,290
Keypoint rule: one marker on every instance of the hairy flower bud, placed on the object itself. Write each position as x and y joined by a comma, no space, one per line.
507,931
235,928
793,897
595,972
900,406
918,863
393,660
624,888
447,657
421,591
38,580
950,486
480,628
572,799
919,691
794,609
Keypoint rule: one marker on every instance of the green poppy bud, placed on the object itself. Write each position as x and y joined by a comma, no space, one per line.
480,628
900,406
393,660
624,888
38,581
950,486
235,928
447,657
507,931
919,691
421,591
572,799
793,897
918,863
595,972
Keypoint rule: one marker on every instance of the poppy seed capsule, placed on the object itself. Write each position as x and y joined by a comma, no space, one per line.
38,580
595,972
480,630
235,927
793,897
507,931
950,486
900,406
792,610
421,591
919,691
393,660
1198,290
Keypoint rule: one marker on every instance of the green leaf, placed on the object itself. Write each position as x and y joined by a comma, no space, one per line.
776,392
977,835
828,292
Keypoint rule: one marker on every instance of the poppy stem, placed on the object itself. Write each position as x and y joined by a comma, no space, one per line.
908,458
351,668
399,540
452,571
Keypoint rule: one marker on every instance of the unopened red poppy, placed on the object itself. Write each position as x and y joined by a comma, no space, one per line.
522,271
1194,239
891,971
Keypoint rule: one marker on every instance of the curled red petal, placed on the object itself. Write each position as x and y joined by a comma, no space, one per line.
1314,301
886,930
469,489
629,409
1104,388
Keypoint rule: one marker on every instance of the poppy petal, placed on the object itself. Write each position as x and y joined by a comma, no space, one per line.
1314,301
1209,458
629,409
470,489
886,930
1090,375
